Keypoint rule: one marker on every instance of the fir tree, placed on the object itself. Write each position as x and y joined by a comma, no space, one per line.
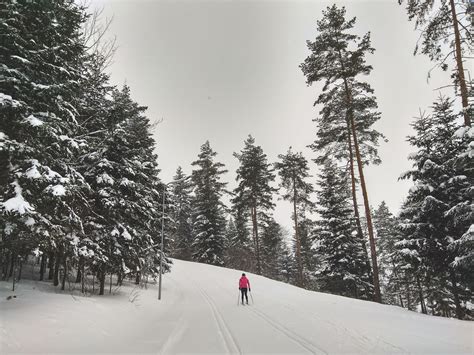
181,201
343,269
41,57
387,235
293,171
338,60
434,219
253,193
208,208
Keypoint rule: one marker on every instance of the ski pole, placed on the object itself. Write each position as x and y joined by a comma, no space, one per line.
251,297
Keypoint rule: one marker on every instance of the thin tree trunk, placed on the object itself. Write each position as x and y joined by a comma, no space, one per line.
297,239
137,278
102,282
51,266
21,269
82,278
110,284
56,268
459,312
63,281
420,295
360,234
42,266
255,234
79,269
12,264
460,66
375,268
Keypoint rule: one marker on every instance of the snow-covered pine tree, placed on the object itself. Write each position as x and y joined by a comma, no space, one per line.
342,268
293,171
41,56
338,60
434,219
391,273
254,192
446,34
123,228
181,215
208,209
271,247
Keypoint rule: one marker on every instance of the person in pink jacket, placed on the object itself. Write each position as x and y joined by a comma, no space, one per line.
244,284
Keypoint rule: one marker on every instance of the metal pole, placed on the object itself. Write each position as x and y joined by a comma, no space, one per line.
161,247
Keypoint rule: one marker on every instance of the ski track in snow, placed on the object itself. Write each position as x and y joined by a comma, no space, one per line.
224,331
306,344
198,314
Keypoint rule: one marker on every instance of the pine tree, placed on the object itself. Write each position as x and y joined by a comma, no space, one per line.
433,218
208,209
293,171
181,201
445,22
338,59
253,193
343,269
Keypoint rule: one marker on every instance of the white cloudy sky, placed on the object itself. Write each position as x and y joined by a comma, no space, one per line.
220,70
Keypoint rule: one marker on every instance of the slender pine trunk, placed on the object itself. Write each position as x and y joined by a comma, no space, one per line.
102,282
460,66
65,273
79,269
255,235
297,239
57,263
51,266
420,295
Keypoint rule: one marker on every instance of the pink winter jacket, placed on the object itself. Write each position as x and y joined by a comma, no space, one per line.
244,282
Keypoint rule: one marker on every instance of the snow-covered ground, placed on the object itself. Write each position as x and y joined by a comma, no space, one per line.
198,313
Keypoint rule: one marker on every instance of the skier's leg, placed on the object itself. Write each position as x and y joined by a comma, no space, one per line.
246,297
242,292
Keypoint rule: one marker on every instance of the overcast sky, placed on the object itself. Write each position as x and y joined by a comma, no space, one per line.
220,70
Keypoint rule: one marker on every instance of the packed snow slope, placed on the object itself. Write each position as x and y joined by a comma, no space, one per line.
198,313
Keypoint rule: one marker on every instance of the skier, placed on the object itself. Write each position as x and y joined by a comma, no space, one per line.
244,283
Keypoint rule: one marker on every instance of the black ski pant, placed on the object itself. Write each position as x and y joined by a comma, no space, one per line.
244,293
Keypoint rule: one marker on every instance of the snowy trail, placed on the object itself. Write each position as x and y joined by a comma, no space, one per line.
199,314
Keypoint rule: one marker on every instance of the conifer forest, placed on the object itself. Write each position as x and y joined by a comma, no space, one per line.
83,201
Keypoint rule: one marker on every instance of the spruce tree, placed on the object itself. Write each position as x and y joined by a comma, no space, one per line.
41,55
294,171
434,216
391,273
253,195
181,205
208,209
343,269
338,60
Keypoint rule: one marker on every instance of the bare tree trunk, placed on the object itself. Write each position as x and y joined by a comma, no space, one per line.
51,266
21,268
42,266
12,264
56,267
460,66
299,281
80,266
110,284
255,235
375,268
63,281
459,312
102,282
138,278
420,295
360,234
